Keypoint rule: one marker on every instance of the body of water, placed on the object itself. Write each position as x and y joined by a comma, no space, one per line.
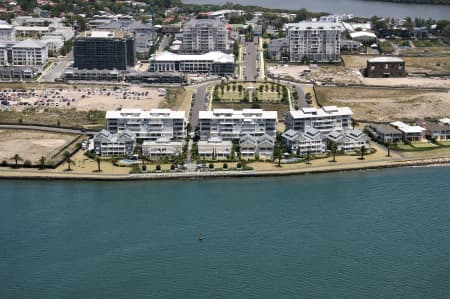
374,234
356,7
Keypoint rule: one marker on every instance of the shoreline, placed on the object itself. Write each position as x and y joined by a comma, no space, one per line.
35,175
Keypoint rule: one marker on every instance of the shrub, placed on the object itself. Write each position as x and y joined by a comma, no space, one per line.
225,166
211,166
144,167
4,163
158,167
239,165
172,167
27,164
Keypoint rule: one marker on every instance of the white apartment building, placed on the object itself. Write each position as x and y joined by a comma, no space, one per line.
349,140
214,148
162,147
212,63
29,52
7,32
230,124
107,144
253,146
325,119
204,35
314,41
301,143
148,124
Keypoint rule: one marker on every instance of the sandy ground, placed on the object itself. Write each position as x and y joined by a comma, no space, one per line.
84,99
408,82
388,105
31,145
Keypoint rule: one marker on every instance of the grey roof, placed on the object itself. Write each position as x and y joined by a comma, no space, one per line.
205,22
30,43
384,129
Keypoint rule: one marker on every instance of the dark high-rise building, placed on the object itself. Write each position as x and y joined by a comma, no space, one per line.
104,50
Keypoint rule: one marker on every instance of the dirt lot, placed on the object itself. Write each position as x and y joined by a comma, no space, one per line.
83,98
31,145
374,104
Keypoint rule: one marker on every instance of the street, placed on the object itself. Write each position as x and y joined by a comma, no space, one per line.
250,72
57,70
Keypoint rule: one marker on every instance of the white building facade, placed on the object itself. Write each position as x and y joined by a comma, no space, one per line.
230,124
148,125
29,52
314,41
204,35
325,119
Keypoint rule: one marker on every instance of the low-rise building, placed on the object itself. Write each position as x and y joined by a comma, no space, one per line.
301,143
107,144
436,131
410,133
231,124
256,146
7,32
148,124
348,140
161,148
325,119
24,53
385,67
217,63
363,36
385,133
214,148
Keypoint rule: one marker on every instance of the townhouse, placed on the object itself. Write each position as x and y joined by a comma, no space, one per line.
107,144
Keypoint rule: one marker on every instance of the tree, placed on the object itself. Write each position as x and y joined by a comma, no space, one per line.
17,158
308,157
98,160
68,160
334,150
278,153
42,162
388,145
362,152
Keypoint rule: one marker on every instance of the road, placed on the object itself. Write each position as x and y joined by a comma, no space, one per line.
301,102
48,129
200,103
250,73
58,68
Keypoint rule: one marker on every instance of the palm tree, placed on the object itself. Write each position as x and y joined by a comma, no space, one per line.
98,160
388,145
334,150
42,162
278,153
308,157
68,160
363,151
17,158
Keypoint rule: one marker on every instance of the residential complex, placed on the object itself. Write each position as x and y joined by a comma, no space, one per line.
301,143
148,125
107,144
214,148
24,53
204,35
161,148
104,50
252,147
314,41
325,119
212,63
410,133
230,124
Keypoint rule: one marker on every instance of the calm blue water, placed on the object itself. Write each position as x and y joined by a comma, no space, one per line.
362,8
346,235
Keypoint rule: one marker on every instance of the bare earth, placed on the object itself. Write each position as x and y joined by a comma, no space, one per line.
374,104
85,98
31,145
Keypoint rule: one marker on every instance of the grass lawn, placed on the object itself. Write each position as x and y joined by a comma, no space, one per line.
236,96
444,143
424,145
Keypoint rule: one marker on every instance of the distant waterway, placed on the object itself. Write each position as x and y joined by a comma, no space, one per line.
372,234
361,8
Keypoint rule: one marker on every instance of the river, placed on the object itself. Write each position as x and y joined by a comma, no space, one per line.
372,234
356,7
